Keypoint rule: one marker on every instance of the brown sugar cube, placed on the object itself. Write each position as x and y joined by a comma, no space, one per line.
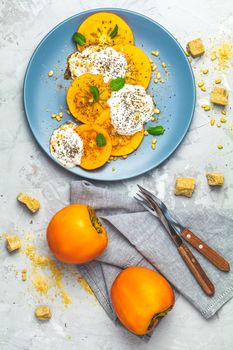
195,47
185,186
43,313
215,179
219,96
12,243
31,203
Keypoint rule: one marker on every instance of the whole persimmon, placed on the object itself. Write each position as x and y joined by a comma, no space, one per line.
140,297
75,235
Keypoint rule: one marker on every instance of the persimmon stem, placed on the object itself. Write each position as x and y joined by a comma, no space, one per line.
95,220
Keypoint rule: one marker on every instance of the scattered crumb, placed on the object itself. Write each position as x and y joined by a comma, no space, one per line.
58,116
224,54
24,275
83,283
212,121
156,111
42,283
185,186
50,73
43,313
31,203
155,53
215,179
220,146
13,243
223,120
200,84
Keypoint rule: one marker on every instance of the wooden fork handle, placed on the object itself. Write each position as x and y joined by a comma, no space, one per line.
196,269
214,257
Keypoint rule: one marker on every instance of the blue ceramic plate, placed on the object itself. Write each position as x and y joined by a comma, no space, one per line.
175,98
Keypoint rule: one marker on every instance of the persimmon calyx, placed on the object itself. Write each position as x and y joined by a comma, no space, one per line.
156,318
95,220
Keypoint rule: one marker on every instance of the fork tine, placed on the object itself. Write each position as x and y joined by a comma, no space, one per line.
155,198
142,199
144,203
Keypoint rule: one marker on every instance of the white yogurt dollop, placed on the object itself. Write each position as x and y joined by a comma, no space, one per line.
66,145
130,108
108,62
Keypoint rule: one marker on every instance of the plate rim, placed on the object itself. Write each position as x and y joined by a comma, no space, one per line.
148,168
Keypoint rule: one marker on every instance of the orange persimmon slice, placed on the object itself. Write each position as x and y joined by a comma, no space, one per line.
121,144
138,65
105,28
81,103
97,146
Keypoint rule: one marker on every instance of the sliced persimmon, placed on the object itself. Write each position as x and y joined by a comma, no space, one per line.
80,100
121,144
138,65
97,146
105,28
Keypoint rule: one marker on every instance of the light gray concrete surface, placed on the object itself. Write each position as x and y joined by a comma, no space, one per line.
25,168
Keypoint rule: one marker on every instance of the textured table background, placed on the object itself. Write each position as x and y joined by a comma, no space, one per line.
84,325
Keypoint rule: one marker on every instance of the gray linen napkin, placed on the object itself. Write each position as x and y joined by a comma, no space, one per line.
137,238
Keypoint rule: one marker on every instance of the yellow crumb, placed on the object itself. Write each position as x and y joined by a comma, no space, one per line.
213,56
223,120
223,112
200,84
212,121
220,146
50,73
42,283
83,283
205,71
203,88
155,53
224,54
24,275
218,81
